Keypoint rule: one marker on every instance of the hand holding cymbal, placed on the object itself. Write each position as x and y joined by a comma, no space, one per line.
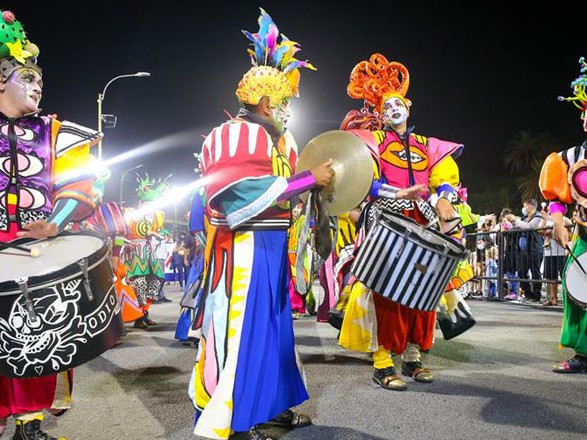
323,173
349,163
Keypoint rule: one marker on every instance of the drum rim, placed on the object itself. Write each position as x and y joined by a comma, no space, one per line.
10,287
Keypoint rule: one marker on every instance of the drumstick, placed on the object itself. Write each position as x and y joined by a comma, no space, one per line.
33,252
575,259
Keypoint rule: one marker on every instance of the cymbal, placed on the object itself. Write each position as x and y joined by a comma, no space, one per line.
352,163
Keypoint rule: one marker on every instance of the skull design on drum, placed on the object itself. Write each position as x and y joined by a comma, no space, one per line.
48,337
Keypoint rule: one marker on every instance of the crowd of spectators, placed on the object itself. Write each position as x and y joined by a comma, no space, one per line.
531,262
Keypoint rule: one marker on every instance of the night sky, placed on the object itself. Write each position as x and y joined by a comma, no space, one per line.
481,72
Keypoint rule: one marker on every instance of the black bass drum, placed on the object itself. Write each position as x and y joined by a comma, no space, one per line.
57,310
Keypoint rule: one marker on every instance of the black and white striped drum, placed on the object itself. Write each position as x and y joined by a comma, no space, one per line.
57,310
406,262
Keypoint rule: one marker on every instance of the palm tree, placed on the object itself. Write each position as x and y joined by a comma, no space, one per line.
524,158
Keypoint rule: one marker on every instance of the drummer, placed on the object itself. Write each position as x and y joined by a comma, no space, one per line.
39,198
562,181
408,164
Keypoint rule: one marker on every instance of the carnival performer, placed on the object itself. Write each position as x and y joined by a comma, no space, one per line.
198,226
46,182
563,182
408,164
246,372
144,272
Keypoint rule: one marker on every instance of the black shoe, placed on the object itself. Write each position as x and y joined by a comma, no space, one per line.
251,434
140,323
148,321
164,300
291,419
31,431
417,372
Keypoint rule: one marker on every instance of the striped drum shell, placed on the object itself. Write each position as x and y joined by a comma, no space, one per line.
406,262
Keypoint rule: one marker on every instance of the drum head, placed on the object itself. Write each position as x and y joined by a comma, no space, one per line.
54,254
426,236
576,280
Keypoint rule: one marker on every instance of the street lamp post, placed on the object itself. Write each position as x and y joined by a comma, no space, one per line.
101,97
122,179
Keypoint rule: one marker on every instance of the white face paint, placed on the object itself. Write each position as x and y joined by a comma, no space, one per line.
22,93
280,115
395,112
584,117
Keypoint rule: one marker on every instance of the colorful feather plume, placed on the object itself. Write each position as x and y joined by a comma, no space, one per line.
269,51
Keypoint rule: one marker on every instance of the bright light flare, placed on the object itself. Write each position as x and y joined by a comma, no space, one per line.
170,197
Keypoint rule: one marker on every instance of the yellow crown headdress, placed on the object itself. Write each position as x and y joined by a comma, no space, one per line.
579,86
275,70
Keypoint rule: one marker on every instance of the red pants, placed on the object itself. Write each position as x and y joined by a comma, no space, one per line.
398,325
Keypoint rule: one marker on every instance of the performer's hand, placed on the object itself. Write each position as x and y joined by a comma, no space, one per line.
355,214
39,229
445,210
412,193
323,173
559,232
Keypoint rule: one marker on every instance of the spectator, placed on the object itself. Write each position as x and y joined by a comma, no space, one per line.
161,255
179,259
510,245
530,249
554,259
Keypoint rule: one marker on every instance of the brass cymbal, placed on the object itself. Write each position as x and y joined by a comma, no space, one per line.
352,163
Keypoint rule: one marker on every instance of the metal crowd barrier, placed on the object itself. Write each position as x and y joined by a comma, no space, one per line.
512,264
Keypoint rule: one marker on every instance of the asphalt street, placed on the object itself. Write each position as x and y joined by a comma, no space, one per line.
492,382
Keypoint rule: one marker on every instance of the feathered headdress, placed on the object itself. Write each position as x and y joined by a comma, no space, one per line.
276,71
150,189
16,51
579,87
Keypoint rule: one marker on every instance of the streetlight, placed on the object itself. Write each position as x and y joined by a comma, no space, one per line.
122,178
101,97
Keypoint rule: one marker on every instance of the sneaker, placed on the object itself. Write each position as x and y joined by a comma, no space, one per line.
416,371
31,430
577,364
387,378
164,300
511,297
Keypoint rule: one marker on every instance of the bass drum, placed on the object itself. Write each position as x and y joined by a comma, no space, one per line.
576,280
58,310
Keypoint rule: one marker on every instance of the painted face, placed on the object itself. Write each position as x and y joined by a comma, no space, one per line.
395,112
280,115
584,117
22,93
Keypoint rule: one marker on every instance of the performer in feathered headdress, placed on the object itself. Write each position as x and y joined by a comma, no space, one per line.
143,270
409,167
247,351
46,182
563,181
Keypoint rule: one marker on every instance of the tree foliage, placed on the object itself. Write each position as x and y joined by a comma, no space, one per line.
524,158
